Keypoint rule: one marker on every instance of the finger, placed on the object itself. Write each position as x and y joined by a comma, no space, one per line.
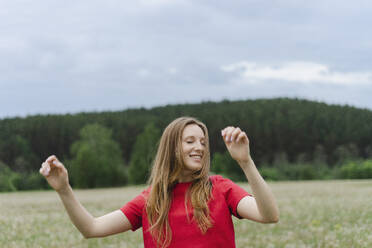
223,131
235,134
45,169
242,136
44,172
50,159
58,164
45,166
54,162
229,132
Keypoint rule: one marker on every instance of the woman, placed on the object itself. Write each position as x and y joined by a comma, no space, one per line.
183,206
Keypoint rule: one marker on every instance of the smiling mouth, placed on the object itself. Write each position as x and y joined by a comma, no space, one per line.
196,157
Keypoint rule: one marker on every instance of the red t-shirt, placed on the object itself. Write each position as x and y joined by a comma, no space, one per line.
223,203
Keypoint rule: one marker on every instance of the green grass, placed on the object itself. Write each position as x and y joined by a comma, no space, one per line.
312,214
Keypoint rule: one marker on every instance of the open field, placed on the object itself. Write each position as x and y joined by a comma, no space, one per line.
313,214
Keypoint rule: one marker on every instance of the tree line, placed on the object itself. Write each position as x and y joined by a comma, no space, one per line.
289,138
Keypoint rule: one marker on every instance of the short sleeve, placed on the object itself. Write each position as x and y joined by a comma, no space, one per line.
233,193
133,210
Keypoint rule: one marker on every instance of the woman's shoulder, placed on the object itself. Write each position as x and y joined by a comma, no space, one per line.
146,192
232,191
215,178
219,181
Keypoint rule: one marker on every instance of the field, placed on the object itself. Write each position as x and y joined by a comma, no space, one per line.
312,214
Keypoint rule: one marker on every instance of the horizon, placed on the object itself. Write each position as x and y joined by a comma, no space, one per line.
175,104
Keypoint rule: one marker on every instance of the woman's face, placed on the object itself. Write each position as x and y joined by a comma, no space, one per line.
193,147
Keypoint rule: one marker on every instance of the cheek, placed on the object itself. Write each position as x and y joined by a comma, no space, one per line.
186,149
184,152
186,156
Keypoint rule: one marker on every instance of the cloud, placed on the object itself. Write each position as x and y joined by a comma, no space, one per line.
159,2
119,50
143,72
303,72
172,70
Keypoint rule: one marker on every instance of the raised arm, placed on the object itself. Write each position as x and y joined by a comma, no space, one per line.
89,226
262,206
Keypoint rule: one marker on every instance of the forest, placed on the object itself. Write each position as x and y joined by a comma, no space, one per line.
290,139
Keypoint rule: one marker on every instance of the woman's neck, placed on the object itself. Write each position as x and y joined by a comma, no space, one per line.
185,176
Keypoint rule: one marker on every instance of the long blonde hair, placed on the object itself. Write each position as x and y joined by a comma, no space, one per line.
166,169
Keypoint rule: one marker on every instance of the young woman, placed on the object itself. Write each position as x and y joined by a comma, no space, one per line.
183,206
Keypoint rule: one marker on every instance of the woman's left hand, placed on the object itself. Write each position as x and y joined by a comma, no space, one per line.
237,143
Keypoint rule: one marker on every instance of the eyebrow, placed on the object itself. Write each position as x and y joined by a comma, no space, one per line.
191,136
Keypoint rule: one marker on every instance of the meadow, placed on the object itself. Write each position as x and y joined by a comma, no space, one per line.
312,214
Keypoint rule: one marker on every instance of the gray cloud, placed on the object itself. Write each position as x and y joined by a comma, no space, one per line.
296,71
100,55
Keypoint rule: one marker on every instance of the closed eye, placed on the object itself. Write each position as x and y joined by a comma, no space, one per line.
190,141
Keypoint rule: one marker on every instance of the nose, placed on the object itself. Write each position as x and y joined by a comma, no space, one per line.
199,146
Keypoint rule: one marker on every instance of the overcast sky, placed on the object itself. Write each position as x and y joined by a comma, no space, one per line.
88,55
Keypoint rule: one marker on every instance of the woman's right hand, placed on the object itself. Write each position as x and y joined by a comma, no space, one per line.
55,173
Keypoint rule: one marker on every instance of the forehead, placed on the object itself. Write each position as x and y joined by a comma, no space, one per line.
193,130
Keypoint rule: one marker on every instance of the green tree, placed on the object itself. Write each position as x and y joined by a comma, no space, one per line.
319,155
143,154
356,169
223,163
278,126
344,153
8,178
17,153
97,160
218,163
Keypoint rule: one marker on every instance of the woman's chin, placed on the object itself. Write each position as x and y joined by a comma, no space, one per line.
191,169
194,166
